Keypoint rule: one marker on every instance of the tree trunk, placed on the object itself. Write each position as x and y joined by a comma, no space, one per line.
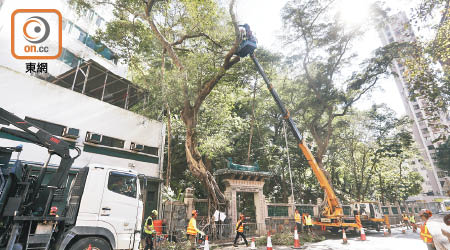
169,151
190,112
284,189
252,123
194,158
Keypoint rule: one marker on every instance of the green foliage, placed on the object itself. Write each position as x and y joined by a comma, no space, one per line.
182,245
313,81
428,64
371,152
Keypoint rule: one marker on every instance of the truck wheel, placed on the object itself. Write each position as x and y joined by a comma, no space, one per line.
91,243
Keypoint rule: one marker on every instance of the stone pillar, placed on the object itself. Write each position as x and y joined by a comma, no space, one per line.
189,201
316,211
260,205
233,209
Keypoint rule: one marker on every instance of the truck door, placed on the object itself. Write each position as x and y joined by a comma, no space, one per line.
119,206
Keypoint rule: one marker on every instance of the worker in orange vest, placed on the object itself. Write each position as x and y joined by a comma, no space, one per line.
192,229
424,232
406,221
240,230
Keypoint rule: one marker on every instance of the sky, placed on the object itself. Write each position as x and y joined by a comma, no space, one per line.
264,17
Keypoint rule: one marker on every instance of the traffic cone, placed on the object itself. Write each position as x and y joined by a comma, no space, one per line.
269,241
403,230
253,246
296,240
363,234
344,237
385,231
206,247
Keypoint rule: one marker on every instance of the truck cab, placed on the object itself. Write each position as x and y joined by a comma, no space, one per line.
370,212
100,207
110,209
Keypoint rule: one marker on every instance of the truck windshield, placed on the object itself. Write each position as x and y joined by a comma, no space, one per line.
122,183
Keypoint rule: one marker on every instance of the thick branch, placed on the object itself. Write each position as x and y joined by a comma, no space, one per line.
183,38
166,45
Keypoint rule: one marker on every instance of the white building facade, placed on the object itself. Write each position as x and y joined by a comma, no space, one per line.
84,99
397,28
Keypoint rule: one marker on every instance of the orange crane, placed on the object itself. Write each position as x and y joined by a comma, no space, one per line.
332,214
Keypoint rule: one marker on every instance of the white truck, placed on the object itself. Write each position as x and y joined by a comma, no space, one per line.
95,207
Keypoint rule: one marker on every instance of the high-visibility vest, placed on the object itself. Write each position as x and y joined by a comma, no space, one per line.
298,218
358,221
425,234
192,227
240,226
308,220
412,219
149,229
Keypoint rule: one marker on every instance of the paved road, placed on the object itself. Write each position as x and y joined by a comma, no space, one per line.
375,241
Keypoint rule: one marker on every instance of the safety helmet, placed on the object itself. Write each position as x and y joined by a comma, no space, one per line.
154,212
426,212
194,212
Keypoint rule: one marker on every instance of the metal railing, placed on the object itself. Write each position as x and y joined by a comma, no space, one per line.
217,232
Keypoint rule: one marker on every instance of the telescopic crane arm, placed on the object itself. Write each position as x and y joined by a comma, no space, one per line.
247,47
40,137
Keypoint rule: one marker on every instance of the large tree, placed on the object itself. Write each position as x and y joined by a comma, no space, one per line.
321,55
200,41
371,150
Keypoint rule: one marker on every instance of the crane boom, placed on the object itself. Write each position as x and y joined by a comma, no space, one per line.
334,208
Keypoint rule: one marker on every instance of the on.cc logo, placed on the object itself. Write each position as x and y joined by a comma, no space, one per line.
36,34
40,28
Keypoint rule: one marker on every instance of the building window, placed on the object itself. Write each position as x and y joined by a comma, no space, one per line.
90,15
99,21
69,58
150,150
77,33
112,142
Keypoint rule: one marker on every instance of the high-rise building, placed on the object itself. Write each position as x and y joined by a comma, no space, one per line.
397,28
